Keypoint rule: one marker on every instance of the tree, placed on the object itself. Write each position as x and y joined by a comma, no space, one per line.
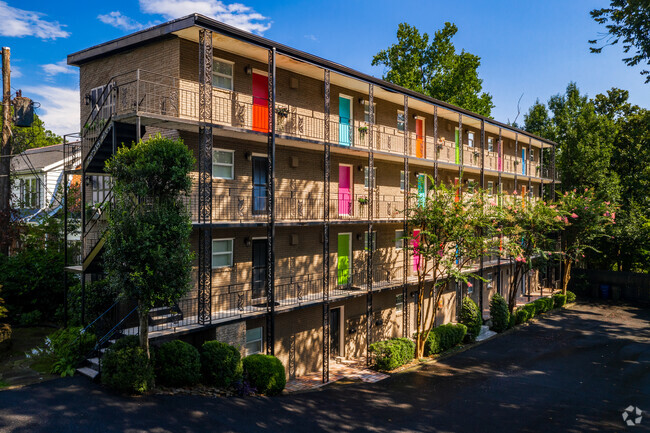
628,22
588,217
435,69
148,257
450,232
528,228
32,137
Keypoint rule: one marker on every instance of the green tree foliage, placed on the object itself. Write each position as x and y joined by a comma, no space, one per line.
628,22
35,136
470,316
148,255
499,313
434,68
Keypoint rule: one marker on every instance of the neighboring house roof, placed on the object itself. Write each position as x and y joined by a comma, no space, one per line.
37,159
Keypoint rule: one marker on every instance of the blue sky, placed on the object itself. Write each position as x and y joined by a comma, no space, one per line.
529,48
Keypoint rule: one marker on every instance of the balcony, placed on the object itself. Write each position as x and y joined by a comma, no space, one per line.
176,101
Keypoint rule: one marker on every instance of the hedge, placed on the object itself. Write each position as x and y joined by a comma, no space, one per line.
221,363
570,297
444,337
499,313
177,364
521,315
127,370
542,305
559,300
470,316
393,353
265,373
531,309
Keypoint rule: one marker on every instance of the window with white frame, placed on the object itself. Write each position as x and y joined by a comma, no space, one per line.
400,120
489,281
30,193
366,112
471,185
470,286
253,341
221,253
470,139
399,303
222,74
101,98
223,164
373,241
101,186
490,187
366,180
490,144
402,180
532,154
399,239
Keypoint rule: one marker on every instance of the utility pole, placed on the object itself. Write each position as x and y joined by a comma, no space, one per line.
5,151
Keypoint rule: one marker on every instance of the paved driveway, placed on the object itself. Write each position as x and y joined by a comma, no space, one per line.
573,371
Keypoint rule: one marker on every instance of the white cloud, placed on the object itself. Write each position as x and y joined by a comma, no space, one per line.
52,69
19,23
234,14
16,72
311,38
116,19
59,108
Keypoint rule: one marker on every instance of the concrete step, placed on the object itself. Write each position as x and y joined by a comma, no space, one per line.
485,333
88,372
94,363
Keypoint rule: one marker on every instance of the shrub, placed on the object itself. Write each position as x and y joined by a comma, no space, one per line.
470,316
444,337
265,373
499,313
521,315
127,370
177,364
559,300
542,305
126,341
68,346
531,310
390,354
570,297
221,363
511,322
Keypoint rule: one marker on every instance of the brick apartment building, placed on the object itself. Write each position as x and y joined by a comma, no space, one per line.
298,160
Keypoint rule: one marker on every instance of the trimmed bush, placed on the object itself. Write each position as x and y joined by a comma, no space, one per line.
499,313
177,364
521,315
126,341
221,364
559,300
393,353
570,297
127,370
542,305
511,322
444,337
470,316
265,373
531,309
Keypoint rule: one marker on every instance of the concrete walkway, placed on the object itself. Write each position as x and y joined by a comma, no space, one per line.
572,371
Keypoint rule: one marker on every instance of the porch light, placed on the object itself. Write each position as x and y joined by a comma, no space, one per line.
249,70
247,241
361,101
87,98
248,156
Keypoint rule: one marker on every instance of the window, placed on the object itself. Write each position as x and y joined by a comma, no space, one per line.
30,193
470,139
399,303
223,164
489,281
221,253
532,154
402,180
366,181
400,120
101,185
399,239
490,187
471,186
366,112
222,74
490,144
373,241
253,341
470,286
102,99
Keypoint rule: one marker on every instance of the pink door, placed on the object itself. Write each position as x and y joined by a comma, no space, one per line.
345,190
415,242
260,103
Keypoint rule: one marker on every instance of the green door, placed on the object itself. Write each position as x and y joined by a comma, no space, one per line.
457,159
343,262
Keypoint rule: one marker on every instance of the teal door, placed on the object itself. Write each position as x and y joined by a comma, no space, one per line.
523,161
345,121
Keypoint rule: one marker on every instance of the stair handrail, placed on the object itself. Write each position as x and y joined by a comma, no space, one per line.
107,198
83,331
110,333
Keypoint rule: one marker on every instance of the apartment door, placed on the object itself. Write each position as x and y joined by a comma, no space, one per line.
259,268
345,120
458,143
260,102
523,161
335,332
345,189
260,185
422,189
419,138
415,242
343,263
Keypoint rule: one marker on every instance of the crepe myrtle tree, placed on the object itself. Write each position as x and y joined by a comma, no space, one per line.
148,257
528,228
587,216
449,230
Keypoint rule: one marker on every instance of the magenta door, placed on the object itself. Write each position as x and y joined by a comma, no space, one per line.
416,255
345,190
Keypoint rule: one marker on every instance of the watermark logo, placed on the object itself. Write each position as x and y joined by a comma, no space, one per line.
632,416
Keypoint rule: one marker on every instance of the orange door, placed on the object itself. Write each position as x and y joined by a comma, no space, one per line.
260,103
419,138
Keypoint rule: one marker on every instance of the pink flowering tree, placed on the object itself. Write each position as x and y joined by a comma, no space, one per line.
588,217
450,230
529,229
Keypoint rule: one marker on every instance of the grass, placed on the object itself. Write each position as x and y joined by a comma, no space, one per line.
3,384
42,364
